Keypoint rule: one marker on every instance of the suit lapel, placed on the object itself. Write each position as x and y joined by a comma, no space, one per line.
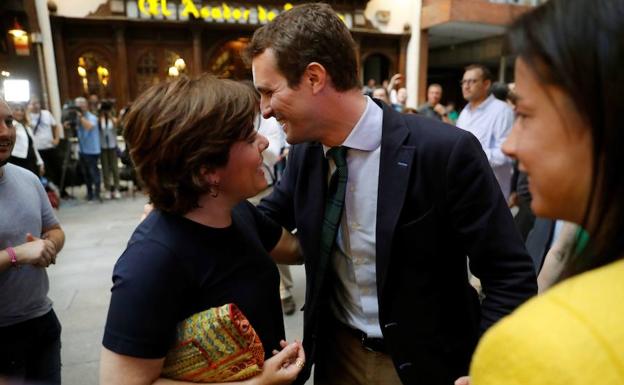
394,170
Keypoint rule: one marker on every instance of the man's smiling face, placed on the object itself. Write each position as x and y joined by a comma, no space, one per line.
7,133
292,107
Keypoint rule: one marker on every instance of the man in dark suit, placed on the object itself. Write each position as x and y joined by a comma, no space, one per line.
388,301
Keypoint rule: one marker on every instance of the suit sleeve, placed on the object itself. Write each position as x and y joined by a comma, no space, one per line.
484,224
279,205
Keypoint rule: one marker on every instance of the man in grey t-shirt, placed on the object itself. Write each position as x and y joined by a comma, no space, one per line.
30,239
433,108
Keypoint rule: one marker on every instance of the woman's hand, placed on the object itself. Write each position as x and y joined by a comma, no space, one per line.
283,367
463,381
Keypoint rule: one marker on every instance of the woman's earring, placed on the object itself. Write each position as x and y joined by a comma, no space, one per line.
214,189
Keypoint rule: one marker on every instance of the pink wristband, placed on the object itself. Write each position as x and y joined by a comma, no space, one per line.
13,256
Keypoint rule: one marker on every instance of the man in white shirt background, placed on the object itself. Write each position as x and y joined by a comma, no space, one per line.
488,119
47,134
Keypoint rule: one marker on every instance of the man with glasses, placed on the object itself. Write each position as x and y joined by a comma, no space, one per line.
488,119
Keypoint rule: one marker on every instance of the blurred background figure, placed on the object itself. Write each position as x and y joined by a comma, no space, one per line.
381,93
433,108
500,90
107,123
94,104
369,87
489,120
89,148
48,134
452,113
400,104
24,152
396,82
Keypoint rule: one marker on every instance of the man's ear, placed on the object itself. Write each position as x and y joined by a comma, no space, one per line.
315,77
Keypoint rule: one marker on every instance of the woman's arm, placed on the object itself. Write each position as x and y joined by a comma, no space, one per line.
56,133
287,251
115,369
120,369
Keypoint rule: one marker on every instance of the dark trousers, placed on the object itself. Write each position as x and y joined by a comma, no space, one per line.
28,164
52,163
525,218
31,350
343,360
91,172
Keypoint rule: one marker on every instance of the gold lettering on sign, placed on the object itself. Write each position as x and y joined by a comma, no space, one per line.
217,12
189,7
164,9
152,5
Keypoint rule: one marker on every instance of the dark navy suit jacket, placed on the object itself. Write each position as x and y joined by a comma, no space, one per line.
438,202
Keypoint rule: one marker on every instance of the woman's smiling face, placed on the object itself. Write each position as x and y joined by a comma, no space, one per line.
553,146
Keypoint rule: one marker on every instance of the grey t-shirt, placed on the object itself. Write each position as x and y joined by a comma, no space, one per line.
24,208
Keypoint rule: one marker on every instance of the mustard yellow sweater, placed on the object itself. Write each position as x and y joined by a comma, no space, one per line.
571,335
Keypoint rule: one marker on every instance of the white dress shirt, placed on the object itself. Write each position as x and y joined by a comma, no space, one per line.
491,122
43,134
354,259
272,130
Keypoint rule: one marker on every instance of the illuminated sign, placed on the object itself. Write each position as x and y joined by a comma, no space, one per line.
211,12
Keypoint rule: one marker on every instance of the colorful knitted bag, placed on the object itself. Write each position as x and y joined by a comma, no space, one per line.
216,345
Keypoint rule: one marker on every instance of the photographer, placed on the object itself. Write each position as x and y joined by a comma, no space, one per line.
108,141
89,144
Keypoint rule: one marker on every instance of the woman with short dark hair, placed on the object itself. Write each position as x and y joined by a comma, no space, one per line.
198,155
568,137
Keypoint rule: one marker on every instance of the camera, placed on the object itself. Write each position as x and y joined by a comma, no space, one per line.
106,105
70,115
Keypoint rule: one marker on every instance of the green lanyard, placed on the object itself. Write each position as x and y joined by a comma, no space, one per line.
582,239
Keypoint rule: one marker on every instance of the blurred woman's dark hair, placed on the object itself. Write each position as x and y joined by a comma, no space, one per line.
175,128
578,46
500,90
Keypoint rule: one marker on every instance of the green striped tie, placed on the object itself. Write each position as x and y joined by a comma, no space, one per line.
334,203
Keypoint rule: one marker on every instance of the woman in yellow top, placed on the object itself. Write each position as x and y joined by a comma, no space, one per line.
568,136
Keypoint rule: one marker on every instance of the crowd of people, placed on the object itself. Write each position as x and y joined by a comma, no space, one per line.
487,114
43,146
391,214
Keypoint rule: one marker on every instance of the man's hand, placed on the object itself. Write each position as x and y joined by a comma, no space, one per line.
147,209
36,252
395,81
440,109
463,381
